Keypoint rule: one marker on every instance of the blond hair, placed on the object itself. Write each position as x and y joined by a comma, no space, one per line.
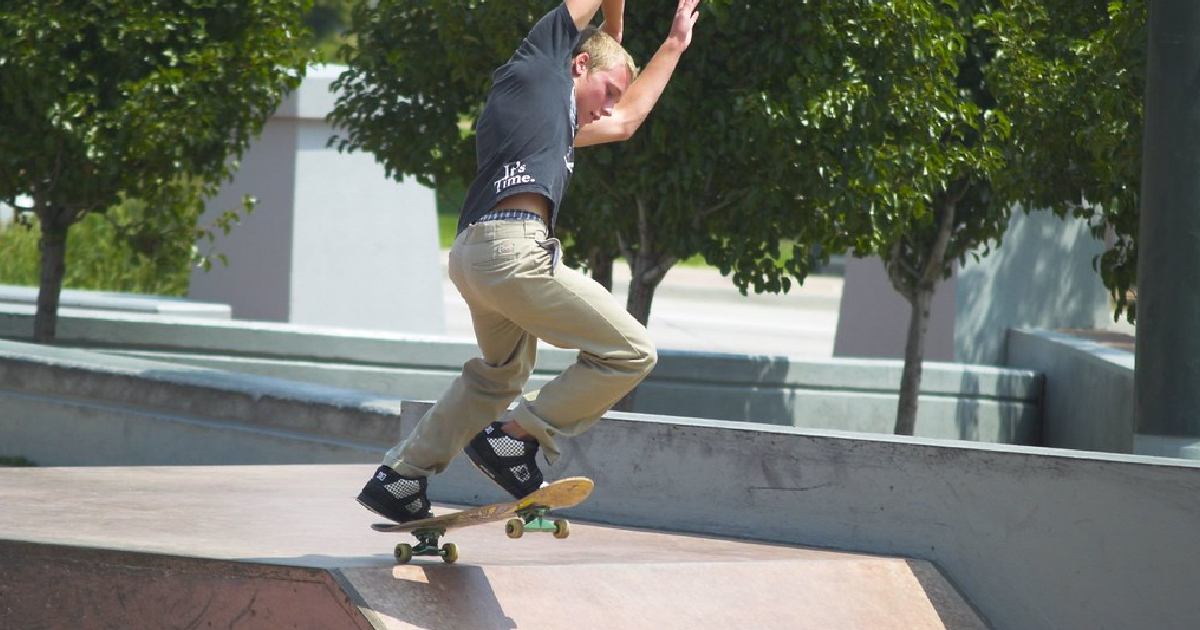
604,52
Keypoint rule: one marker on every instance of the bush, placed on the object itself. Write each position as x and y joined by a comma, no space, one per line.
126,249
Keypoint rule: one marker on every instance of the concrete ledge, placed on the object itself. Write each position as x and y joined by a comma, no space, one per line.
251,338
72,301
1088,401
1036,538
57,376
957,402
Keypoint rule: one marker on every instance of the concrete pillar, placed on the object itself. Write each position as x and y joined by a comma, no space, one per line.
333,241
1167,379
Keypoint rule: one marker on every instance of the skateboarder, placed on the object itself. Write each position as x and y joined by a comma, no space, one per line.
565,86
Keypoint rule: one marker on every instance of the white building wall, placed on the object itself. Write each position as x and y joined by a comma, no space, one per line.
333,241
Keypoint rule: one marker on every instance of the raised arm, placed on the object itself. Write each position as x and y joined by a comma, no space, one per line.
644,92
582,12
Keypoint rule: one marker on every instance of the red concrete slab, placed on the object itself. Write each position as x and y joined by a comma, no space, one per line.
305,518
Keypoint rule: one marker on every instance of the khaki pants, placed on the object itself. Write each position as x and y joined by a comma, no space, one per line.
510,276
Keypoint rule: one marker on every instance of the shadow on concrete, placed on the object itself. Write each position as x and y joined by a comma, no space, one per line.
966,412
946,601
773,405
429,595
1012,428
754,389
1040,277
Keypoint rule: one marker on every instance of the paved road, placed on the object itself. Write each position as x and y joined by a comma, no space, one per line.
698,309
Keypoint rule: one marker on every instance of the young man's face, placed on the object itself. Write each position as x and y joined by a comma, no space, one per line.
597,91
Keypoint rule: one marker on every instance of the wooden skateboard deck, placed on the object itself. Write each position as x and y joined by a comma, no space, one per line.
523,515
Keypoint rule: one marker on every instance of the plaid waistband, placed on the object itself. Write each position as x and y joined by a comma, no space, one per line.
502,215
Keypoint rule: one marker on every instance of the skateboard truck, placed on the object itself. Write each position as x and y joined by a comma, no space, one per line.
533,519
428,546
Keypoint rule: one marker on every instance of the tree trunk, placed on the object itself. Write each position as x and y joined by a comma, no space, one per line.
647,268
914,354
646,274
641,294
601,264
53,247
918,288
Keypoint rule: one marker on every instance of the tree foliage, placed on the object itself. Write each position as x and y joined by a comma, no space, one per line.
925,123
105,101
902,144
1072,78
418,79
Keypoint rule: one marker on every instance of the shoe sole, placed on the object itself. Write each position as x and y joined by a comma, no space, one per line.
374,511
393,519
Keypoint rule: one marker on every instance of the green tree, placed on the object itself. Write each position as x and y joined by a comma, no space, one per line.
935,119
106,101
913,183
866,133
1026,104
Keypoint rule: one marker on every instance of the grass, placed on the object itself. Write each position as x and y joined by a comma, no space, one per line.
447,229
15,461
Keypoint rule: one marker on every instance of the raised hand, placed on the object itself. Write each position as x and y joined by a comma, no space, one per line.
686,15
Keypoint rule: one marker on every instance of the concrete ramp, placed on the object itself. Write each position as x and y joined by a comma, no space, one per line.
818,593
59,586
287,547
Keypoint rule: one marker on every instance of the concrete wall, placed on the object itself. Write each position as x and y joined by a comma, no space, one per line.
1089,395
1087,402
873,317
333,241
1040,277
257,281
1034,537
958,402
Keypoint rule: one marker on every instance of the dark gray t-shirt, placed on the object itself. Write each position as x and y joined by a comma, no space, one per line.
525,137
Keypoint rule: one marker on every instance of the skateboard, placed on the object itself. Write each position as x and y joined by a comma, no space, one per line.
524,515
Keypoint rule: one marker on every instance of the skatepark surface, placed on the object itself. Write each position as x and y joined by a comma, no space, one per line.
287,546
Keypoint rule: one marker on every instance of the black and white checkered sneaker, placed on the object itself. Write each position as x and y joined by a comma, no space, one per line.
506,460
396,497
